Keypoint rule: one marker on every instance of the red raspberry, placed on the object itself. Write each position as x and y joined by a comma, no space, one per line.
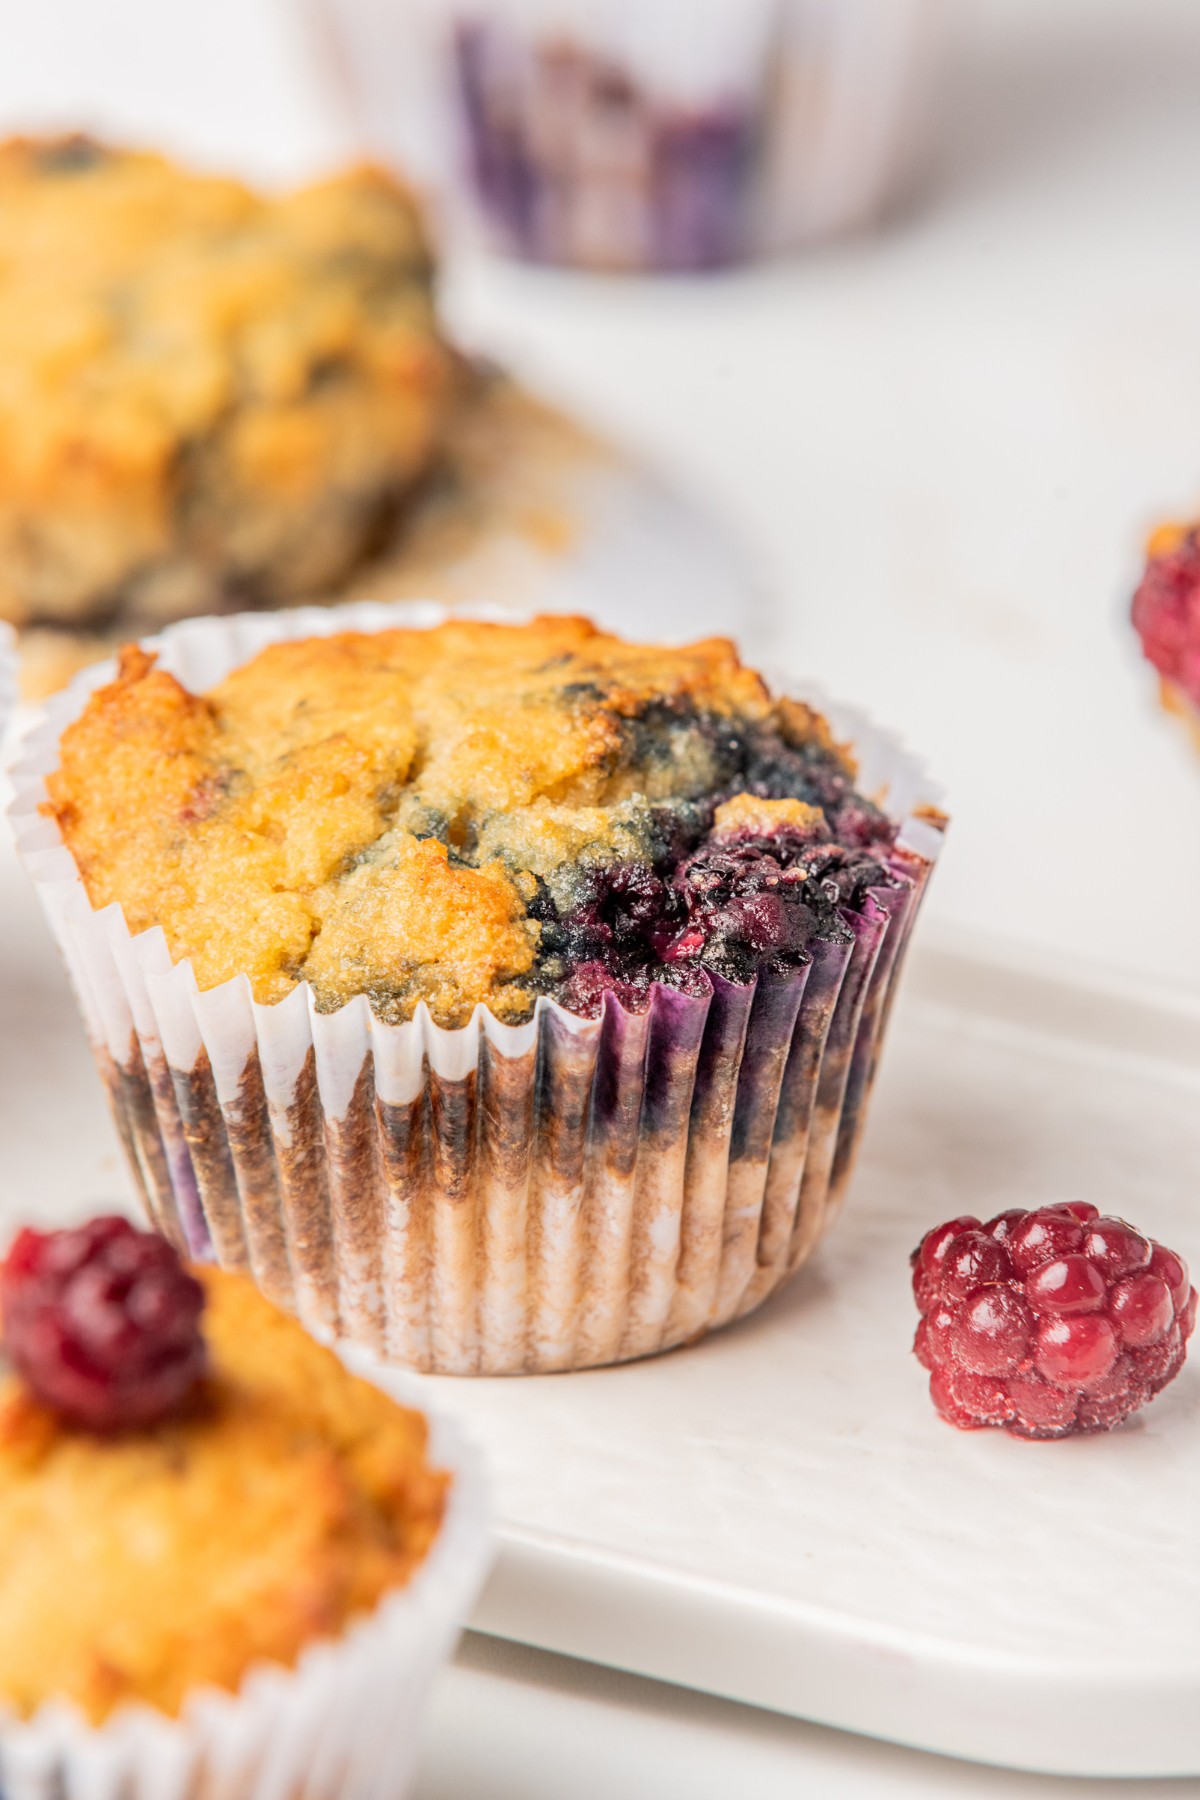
1166,610
103,1323
1050,1321
927,1260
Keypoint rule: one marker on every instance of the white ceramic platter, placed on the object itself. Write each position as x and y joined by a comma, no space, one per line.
777,1514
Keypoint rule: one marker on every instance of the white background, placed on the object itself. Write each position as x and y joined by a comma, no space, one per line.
943,446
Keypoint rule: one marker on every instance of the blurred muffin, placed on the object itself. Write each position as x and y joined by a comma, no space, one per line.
1166,617
194,1497
208,397
211,400
285,1500
507,997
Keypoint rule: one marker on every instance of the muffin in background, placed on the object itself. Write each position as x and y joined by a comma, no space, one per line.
505,997
242,1581
211,399
1166,617
208,397
646,134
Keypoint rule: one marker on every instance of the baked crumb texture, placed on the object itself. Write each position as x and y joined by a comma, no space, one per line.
209,398
465,816
480,818
285,1502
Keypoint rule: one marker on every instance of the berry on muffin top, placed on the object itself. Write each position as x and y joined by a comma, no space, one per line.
103,1323
471,814
1166,611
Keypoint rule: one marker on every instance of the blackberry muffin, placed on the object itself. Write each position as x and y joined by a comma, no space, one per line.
196,1496
208,397
592,943
1166,617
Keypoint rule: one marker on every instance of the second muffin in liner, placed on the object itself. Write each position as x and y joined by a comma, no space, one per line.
345,1720
492,1198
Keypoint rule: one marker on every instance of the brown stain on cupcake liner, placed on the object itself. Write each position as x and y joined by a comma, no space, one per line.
211,1157
623,1187
131,1102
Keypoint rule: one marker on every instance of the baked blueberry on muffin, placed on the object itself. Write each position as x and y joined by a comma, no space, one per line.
195,1496
505,996
207,396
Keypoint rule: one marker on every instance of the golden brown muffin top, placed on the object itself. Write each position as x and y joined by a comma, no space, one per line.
139,301
286,1499
173,342
402,813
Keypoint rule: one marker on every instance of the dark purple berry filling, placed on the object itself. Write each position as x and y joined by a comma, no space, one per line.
727,889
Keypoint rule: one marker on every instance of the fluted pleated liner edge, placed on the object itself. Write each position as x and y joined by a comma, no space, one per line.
343,1724
491,1199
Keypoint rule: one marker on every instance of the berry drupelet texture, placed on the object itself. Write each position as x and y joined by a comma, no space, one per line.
103,1323
1048,1322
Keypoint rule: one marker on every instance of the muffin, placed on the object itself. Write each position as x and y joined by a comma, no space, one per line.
224,1558
620,137
506,997
1166,617
213,399
208,397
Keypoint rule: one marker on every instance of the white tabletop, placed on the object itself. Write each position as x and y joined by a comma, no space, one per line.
944,446
511,1723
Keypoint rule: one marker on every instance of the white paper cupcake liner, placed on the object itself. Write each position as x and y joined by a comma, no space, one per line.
495,1198
342,1724
647,134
